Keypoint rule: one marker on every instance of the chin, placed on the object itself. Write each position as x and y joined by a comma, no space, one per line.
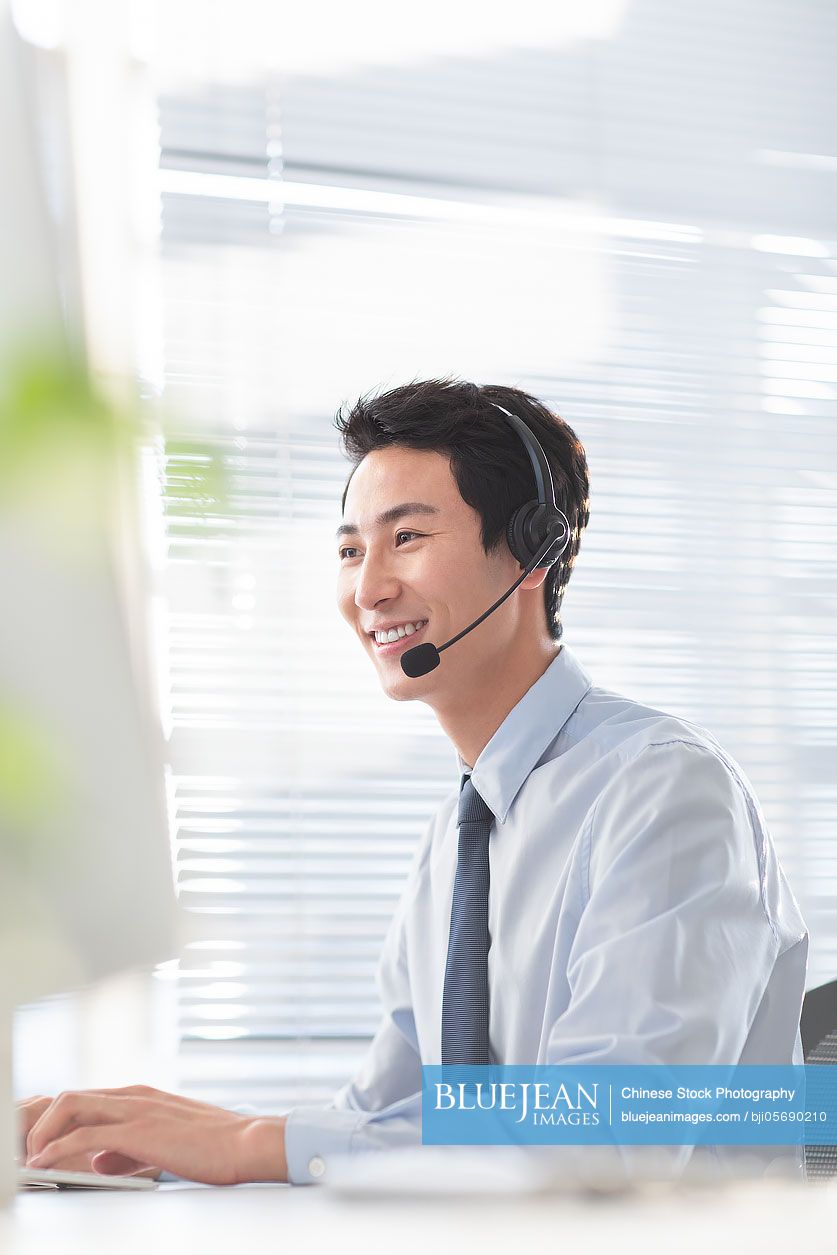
401,688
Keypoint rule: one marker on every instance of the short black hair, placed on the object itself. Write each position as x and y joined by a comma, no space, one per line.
487,458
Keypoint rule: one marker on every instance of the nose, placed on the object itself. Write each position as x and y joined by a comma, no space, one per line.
376,580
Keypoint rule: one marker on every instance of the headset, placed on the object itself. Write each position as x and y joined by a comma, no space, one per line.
537,535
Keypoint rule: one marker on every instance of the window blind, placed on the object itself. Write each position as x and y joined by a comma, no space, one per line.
638,229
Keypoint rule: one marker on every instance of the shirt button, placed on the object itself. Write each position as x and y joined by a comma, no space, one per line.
316,1166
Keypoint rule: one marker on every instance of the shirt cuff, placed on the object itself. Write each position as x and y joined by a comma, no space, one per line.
313,1137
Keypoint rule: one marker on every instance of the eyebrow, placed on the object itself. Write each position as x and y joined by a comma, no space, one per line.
391,515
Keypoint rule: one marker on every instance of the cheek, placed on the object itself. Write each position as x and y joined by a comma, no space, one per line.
345,596
447,573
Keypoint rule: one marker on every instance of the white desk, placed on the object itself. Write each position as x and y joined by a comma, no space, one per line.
178,1218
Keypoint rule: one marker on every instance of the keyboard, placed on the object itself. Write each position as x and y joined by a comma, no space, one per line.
35,1178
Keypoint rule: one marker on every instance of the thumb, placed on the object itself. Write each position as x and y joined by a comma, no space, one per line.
113,1163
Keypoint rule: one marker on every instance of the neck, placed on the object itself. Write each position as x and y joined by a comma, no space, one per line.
470,719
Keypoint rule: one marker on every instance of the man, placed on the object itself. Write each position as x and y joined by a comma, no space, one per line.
633,907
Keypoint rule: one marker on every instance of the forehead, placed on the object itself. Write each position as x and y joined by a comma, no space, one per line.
389,476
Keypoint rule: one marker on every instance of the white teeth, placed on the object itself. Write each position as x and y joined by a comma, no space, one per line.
395,634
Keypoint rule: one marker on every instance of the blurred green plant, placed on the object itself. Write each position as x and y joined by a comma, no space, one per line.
33,785
64,450
62,439
196,484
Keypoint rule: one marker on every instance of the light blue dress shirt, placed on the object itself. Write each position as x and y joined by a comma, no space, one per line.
638,914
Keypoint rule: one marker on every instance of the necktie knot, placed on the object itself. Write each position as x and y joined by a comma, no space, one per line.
472,809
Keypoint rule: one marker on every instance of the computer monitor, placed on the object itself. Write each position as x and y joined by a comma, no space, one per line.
86,887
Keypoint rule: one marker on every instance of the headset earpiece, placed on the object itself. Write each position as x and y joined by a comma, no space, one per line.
529,528
532,524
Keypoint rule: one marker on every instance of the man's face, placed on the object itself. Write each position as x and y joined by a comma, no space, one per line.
423,566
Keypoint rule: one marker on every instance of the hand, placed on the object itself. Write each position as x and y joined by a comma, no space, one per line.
128,1130
30,1110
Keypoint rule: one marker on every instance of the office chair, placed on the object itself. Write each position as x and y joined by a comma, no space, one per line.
818,1029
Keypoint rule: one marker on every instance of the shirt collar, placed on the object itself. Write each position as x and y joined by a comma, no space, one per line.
526,731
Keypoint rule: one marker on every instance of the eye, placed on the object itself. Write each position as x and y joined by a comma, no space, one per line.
346,552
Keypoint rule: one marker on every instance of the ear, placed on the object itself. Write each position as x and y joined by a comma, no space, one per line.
535,578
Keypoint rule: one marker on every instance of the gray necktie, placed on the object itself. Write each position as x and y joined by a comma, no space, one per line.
465,998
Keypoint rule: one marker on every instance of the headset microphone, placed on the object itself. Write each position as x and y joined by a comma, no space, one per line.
535,529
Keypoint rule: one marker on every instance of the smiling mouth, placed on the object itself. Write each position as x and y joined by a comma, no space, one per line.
403,642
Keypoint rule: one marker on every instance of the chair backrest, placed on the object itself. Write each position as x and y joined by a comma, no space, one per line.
818,1029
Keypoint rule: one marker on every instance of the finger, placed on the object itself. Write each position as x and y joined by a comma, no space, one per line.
27,1118
23,1103
74,1163
71,1109
125,1139
29,1111
111,1163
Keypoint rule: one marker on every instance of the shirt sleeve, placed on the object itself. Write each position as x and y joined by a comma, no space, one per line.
380,1109
674,945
